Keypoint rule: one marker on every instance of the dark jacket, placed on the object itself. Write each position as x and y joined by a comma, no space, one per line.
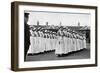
26,39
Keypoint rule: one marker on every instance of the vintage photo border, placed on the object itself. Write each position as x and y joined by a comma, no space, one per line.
15,34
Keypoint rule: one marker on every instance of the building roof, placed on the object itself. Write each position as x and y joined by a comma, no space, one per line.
79,27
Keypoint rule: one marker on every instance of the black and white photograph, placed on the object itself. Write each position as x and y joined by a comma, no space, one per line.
53,36
56,35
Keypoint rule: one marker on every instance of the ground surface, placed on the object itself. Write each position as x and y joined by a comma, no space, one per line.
84,54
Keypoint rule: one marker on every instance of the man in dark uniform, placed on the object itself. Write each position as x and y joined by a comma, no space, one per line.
26,35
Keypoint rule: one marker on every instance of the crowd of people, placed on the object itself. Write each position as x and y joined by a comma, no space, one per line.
63,41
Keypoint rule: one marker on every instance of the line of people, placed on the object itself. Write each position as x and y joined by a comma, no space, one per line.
63,41
69,41
41,41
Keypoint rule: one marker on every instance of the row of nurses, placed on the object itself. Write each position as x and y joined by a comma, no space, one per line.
42,41
63,42
69,41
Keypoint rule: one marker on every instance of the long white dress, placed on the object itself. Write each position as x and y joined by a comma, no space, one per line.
81,42
68,42
62,42
71,43
57,45
54,42
58,50
65,45
65,42
51,42
78,43
84,40
48,42
41,38
37,43
43,42
75,42
31,48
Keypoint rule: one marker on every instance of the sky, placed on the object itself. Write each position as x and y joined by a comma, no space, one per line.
56,18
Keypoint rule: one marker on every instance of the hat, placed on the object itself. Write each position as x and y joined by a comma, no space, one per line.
26,14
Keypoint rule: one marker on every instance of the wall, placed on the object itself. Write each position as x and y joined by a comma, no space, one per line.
5,32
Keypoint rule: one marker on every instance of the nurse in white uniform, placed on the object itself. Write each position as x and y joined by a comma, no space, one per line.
53,41
72,41
43,40
48,42
58,47
31,48
65,42
75,41
68,42
37,43
70,35
84,41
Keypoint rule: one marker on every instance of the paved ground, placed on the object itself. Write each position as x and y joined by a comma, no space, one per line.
84,54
